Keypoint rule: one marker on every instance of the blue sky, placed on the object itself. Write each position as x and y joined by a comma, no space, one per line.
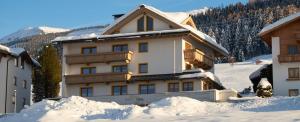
18,14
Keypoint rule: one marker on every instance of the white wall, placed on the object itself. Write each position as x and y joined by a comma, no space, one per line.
21,75
281,85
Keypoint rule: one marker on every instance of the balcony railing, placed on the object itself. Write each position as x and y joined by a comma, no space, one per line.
97,78
198,58
288,58
99,58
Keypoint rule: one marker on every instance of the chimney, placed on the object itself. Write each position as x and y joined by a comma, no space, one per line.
116,16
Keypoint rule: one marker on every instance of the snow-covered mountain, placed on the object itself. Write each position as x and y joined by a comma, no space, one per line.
31,31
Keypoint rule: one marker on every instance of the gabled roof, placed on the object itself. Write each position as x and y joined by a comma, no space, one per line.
278,24
175,18
16,52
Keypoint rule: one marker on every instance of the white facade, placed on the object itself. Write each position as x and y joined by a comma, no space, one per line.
18,84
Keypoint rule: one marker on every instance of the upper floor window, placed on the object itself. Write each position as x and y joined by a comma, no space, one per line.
293,72
86,92
16,62
145,23
88,70
120,68
89,50
147,89
120,48
149,23
143,68
143,47
187,86
119,90
140,24
293,50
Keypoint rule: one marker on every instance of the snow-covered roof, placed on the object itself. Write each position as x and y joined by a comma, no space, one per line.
129,35
209,75
17,52
199,11
279,23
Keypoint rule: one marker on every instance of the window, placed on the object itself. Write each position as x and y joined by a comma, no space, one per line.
173,87
143,47
143,68
16,62
205,86
143,25
121,68
22,63
24,102
293,50
149,24
120,48
15,81
24,84
147,89
89,50
119,90
88,70
293,73
187,86
293,92
86,92
140,24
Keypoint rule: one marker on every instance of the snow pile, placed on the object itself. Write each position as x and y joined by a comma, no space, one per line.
264,83
171,109
31,31
209,75
177,106
199,11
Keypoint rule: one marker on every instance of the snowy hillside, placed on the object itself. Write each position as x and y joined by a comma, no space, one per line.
178,109
237,76
31,31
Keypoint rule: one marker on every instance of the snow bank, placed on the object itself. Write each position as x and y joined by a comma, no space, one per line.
177,106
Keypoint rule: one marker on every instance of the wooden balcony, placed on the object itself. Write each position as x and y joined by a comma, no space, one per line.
288,58
99,58
97,78
198,58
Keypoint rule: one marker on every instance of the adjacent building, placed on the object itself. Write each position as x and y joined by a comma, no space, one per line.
144,52
15,79
284,38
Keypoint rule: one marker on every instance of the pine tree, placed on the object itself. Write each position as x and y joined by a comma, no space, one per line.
46,83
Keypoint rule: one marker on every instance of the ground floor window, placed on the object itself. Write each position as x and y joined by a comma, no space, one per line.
119,90
147,89
86,92
187,86
173,87
293,92
205,86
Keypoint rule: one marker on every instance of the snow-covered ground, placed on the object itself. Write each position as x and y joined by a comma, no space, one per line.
179,109
237,76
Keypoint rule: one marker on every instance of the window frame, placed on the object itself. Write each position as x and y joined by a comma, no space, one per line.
122,47
190,82
121,88
292,73
141,20
90,70
140,47
122,66
293,90
87,88
139,68
147,89
90,50
22,63
148,18
173,89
